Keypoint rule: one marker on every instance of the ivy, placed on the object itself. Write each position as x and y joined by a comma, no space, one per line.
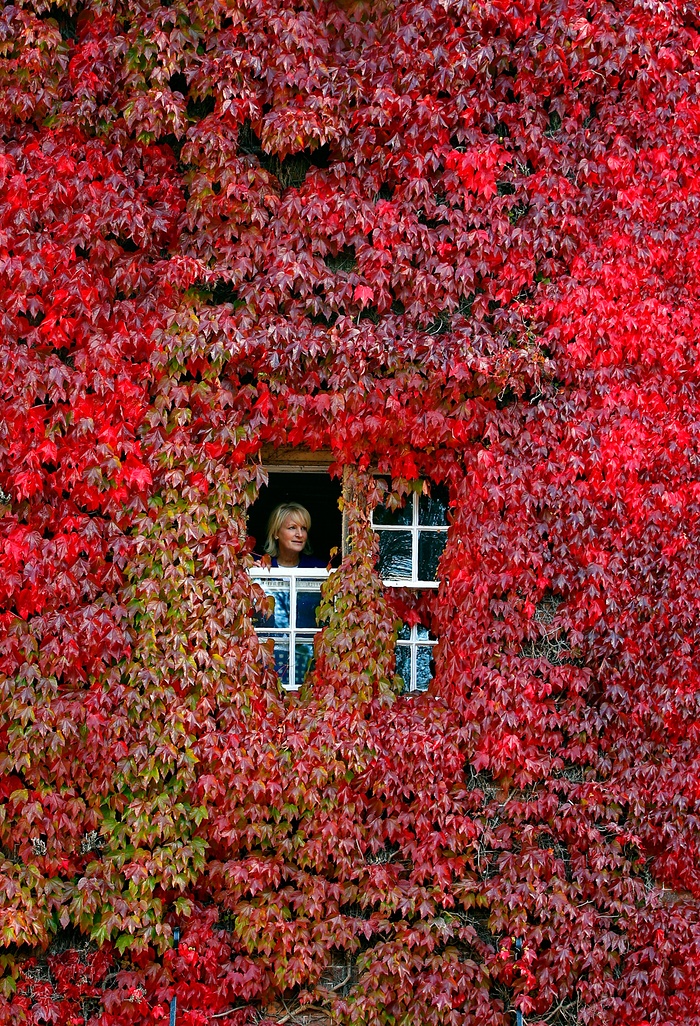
446,242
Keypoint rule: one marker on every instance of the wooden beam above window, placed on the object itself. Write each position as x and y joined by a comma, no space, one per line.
291,457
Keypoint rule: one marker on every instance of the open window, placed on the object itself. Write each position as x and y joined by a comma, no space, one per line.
295,476
299,477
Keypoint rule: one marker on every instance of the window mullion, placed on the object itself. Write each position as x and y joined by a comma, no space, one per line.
412,637
292,630
414,543
345,529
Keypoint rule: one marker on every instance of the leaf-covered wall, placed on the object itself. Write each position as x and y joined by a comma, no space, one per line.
446,240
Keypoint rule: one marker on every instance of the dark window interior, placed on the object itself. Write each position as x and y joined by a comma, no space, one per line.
318,492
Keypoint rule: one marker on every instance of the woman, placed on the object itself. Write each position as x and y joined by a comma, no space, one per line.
293,618
288,536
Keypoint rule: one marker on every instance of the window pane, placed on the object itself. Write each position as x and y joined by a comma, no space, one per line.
279,590
394,517
405,633
395,554
430,548
281,652
424,666
308,598
432,509
303,657
422,632
403,665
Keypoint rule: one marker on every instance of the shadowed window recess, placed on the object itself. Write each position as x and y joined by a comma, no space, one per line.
317,492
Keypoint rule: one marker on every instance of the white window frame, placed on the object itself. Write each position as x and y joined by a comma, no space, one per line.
261,574
295,575
415,529
413,643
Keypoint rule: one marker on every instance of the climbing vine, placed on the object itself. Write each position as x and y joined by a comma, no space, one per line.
444,241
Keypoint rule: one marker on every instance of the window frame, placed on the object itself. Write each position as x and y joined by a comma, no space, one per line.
260,574
413,643
292,460
415,528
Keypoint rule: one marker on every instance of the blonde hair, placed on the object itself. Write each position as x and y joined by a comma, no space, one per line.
278,516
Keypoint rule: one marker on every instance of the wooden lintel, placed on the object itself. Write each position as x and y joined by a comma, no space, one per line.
294,455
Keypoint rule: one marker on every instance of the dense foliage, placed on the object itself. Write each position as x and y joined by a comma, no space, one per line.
460,242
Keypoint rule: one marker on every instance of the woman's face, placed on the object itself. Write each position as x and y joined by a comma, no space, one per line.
291,540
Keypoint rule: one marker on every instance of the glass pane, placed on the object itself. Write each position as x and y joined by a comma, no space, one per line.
405,633
279,590
425,667
395,554
422,632
403,665
281,651
308,598
432,509
395,517
430,547
303,657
